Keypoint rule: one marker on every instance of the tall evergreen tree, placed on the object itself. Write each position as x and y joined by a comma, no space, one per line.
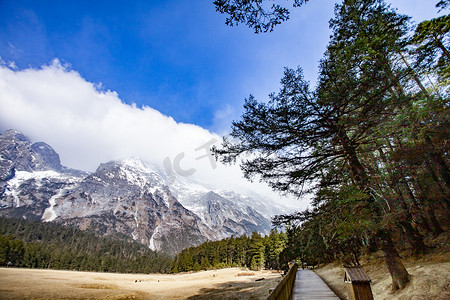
354,119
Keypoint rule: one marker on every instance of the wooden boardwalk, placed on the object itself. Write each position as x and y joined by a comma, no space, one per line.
309,286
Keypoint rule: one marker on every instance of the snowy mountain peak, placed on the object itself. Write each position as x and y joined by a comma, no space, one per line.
138,165
13,134
127,196
18,153
131,171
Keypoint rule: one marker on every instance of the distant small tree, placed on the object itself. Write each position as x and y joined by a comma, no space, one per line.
206,265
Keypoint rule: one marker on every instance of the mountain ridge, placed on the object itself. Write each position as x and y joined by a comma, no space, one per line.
129,196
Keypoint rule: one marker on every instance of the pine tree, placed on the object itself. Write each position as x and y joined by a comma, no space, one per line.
347,127
256,252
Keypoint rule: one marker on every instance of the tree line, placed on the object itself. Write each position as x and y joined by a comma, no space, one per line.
34,244
369,142
254,252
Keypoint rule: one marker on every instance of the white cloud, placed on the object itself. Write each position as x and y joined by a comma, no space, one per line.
87,126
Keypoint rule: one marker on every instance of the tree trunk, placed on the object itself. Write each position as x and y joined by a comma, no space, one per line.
417,209
414,237
437,229
428,210
442,47
398,185
415,77
438,161
442,187
399,274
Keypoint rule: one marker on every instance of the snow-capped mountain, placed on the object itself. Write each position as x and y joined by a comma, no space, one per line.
130,196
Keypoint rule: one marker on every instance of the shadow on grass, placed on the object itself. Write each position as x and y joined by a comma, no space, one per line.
238,290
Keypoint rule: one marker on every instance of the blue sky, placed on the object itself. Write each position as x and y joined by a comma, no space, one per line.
105,80
176,56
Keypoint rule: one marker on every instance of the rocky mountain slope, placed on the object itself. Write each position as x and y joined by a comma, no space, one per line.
128,196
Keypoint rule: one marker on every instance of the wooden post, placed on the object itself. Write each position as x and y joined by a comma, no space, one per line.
358,283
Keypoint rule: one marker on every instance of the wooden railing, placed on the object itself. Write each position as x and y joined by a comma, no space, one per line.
283,291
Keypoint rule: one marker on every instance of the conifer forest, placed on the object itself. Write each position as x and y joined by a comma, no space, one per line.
369,142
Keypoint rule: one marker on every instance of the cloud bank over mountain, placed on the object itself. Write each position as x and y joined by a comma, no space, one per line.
88,124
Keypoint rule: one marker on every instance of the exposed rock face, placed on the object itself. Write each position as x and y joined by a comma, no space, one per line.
128,196
17,153
228,217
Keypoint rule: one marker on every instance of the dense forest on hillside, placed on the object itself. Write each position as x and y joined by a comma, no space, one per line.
34,244
370,142
254,252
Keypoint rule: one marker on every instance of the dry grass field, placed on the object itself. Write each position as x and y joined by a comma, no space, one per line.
232,283
430,278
